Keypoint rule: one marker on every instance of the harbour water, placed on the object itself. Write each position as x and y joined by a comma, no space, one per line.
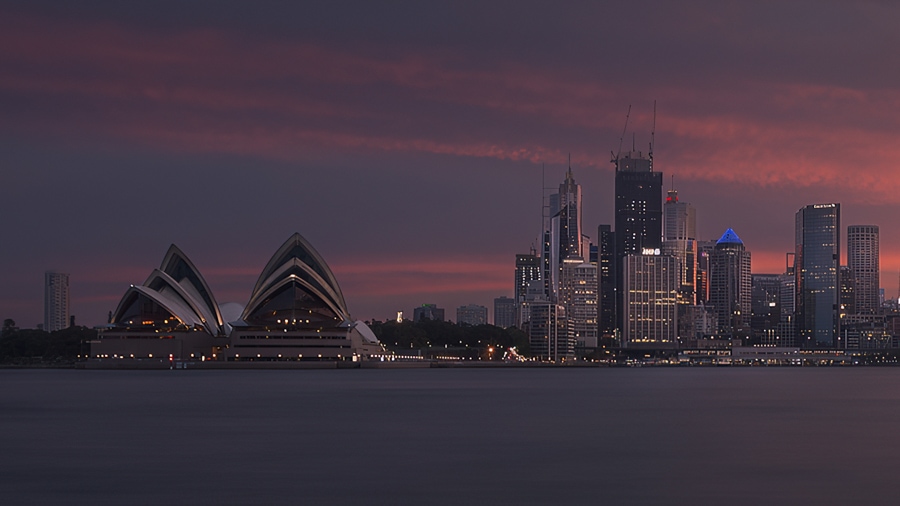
451,436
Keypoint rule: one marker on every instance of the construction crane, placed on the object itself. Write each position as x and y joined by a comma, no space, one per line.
615,156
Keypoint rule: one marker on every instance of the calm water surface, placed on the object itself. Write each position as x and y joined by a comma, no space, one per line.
451,436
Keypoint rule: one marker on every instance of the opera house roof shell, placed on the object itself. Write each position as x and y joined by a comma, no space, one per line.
296,287
174,297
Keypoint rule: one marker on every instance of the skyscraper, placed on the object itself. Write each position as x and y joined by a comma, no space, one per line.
766,314
528,269
638,205
606,278
863,262
638,215
730,285
566,238
578,294
650,301
680,234
818,257
505,311
680,218
56,301
471,314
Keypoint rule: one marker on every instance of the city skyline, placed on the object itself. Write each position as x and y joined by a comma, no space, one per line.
128,128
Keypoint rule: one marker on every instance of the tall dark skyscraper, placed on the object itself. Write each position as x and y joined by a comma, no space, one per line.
606,277
638,205
638,213
818,260
730,285
863,262
566,238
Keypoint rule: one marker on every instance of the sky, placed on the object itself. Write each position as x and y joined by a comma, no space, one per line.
409,142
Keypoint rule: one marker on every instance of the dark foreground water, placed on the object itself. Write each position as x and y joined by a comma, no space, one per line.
451,436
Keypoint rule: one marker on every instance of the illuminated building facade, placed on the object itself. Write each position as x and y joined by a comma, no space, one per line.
578,294
650,301
528,269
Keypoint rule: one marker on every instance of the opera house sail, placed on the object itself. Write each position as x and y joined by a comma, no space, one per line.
295,312
172,313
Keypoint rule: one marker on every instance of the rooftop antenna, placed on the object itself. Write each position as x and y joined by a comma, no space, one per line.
633,135
615,156
673,175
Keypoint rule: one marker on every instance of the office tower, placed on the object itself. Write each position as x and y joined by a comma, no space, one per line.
848,295
818,257
566,238
787,297
863,263
471,314
56,301
549,335
680,218
704,254
638,214
680,241
505,311
730,285
570,231
606,278
578,294
528,269
765,313
650,301
638,205
428,312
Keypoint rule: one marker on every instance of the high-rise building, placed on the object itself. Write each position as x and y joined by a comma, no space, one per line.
528,269
56,301
730,285
650,301
606,278
428,312
863,262
680,218
638,205
787,296
818,259
680,234
578,294
766,314
548,330
848,294
505,311
471,314
570,230
565,239
638,215
704,254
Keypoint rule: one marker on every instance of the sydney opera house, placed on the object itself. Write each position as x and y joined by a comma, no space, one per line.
296,312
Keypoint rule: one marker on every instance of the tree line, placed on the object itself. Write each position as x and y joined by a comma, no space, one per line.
34,346
433,335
